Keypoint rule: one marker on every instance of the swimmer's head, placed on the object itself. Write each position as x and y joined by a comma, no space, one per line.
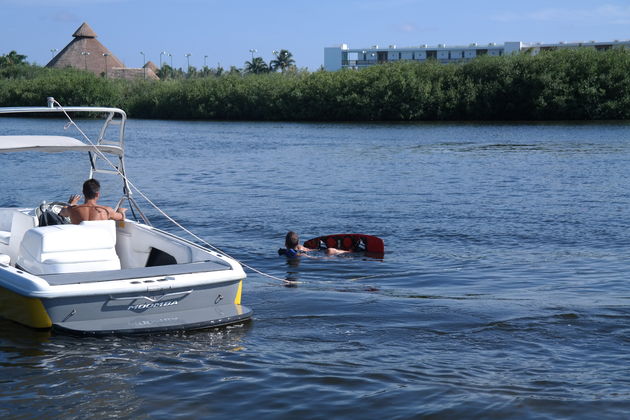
291,240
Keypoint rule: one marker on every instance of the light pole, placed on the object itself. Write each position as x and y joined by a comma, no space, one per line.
161,54
253,50
171,55
144,62
205,61
105,55
53,51
187,55
85,54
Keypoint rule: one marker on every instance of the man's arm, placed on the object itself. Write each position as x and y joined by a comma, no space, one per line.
116,214
74,199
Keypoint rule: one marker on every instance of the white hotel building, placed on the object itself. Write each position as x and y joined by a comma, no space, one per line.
341,57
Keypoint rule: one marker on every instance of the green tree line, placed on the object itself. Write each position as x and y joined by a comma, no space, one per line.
567,84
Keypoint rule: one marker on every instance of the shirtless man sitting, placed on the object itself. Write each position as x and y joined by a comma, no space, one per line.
89,210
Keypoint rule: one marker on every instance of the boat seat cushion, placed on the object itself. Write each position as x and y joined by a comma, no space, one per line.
107,225
4,237
144,239
21,221
6,215
68,249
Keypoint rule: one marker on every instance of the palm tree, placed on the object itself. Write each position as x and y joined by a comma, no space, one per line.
256,66
284,60
165,72
11,59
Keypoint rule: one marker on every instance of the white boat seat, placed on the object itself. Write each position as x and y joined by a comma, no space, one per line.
6,215
136,242
20,223
69,249
4,237
108,225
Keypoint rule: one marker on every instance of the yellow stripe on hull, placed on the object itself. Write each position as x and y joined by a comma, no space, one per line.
237,299
25,310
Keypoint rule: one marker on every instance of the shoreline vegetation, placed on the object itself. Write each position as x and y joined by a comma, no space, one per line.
571,84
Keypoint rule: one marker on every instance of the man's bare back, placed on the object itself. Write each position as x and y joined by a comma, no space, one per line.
86,211
89,210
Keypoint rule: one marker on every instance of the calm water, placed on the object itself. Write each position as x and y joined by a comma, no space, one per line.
503,292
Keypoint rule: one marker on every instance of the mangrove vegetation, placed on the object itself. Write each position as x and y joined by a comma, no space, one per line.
568,84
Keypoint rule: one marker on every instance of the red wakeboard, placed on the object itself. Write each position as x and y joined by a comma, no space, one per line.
354,242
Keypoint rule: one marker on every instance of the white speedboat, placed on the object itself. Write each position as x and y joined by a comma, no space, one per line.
107,277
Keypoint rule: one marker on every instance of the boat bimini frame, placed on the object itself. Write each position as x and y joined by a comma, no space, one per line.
114,122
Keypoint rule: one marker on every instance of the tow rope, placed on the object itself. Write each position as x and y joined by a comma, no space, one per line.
157,208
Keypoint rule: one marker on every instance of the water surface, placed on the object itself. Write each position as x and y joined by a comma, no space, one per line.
502,294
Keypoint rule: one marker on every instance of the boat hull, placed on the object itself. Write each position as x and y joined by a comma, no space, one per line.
152,323
24,310
160,310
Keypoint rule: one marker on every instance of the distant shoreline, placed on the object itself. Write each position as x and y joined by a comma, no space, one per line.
562,85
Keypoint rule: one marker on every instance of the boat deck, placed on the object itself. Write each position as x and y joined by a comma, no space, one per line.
134,273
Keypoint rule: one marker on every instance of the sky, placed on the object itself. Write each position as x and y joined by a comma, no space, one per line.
225,31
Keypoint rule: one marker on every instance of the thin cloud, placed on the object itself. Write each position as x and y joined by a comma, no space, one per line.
64,17
612,14
57,3
408,27
373,5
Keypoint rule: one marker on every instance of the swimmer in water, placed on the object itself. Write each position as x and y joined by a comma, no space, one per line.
294,249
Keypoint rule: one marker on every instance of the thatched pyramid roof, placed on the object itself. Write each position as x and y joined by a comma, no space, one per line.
86,53
151,65
84,31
